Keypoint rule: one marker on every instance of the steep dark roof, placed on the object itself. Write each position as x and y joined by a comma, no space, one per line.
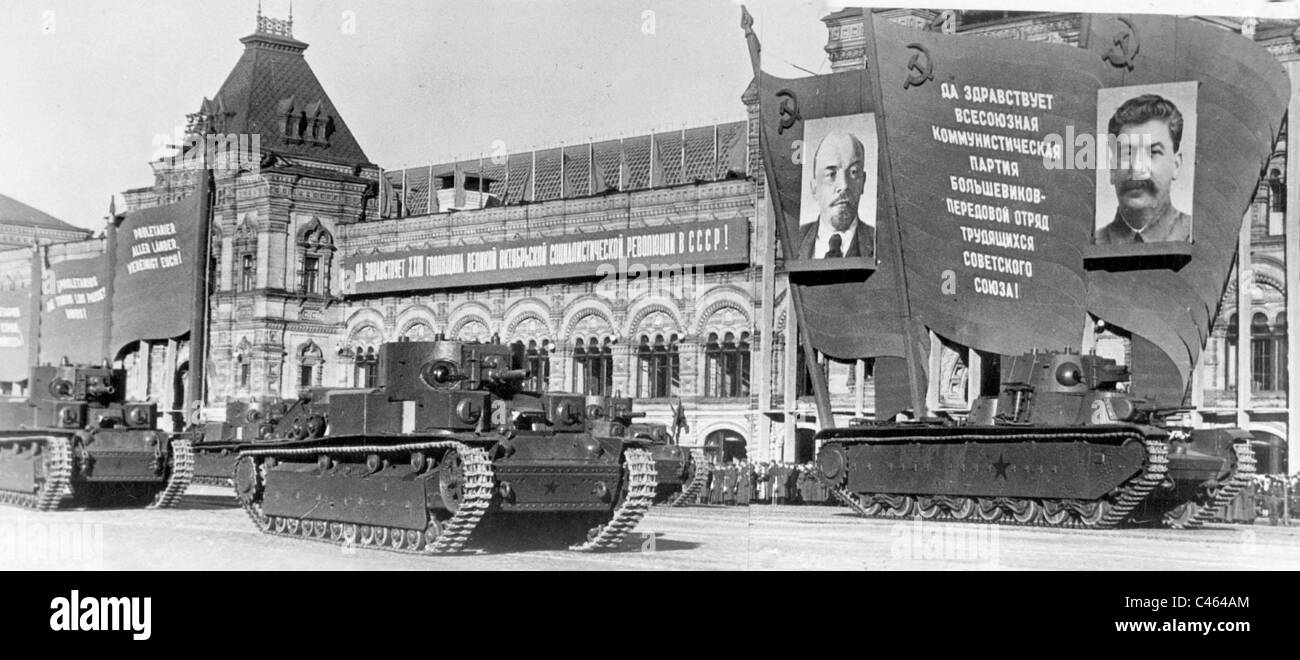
14,212
271,80
516,187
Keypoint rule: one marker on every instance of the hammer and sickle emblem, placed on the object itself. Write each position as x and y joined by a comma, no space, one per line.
919,73
1125,47
789,110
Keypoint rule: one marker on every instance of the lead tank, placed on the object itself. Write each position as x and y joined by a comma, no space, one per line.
681,473
445,443
76,440
1061,445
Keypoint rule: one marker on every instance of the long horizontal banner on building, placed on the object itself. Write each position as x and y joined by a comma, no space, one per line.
644,249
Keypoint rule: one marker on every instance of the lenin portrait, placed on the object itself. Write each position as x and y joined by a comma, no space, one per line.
838,206
1150,171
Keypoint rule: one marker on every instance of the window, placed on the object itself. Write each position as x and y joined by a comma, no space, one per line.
593,366
658,367
1230,355
310,273
245,250
310,364
315,249
247,272
726,372
367,368
1277,203
1267,356
245,371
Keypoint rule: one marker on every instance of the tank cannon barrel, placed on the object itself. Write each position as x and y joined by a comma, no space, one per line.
508,375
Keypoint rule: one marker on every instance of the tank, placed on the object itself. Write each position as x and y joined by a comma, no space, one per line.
446,444
76,440
216,453
1061,445
680,472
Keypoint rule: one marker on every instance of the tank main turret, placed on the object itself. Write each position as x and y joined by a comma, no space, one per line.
1062,388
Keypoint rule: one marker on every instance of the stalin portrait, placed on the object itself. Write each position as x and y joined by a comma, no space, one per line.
1147,163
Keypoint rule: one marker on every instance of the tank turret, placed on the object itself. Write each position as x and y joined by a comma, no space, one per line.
1062,388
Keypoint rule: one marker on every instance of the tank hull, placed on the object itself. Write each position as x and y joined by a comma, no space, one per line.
1096,476
428,493
46,469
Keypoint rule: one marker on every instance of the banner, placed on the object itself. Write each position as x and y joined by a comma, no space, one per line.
1240,97
640,250
993,229
153,287
15,323
73,304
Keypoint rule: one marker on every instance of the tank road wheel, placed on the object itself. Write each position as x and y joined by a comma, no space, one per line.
433,531
987,510
414,539
350,533
927,508
292,526
367,535
899,506
396,538
280,524
451,481
962,508
1026,511
1091,513
381,536
1055,513
336,531
319,528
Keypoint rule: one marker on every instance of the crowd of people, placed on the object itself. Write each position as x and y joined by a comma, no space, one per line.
1272,491
741,482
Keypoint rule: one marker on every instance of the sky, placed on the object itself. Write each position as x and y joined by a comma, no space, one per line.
90,91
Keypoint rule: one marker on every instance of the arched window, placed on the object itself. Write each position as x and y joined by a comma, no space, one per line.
367,367
311,362
418,331
658,372
363,348
593,366
315,252
726,371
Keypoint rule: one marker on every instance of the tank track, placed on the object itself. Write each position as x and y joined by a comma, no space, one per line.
687,494
640,495
440,537
1191,515
182,464
1108,512
58,475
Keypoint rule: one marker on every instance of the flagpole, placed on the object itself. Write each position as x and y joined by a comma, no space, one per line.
821,392
199,322
913,351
